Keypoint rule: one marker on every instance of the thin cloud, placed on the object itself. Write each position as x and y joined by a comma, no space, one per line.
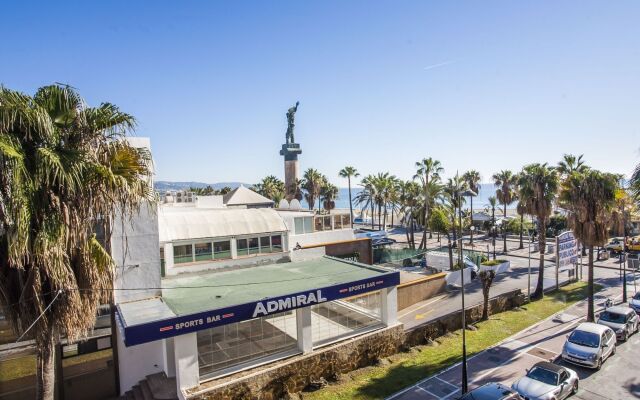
438,65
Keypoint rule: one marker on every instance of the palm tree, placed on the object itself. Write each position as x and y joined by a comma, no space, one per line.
410,201
486,278
439,221
537,185
271,188
591,196
366,197
454,188
472,178
329,194
505,182
426,170
570,164
492,204
64,168
312,182
348,172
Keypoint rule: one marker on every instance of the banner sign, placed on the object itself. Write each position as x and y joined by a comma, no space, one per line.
567,249
166,328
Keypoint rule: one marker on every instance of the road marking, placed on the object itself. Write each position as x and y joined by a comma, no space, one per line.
448,383
423,316
413,309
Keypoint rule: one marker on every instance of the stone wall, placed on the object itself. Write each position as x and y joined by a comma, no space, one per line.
276,381
293,375
413,292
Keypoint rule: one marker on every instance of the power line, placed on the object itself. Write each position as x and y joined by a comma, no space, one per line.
39,316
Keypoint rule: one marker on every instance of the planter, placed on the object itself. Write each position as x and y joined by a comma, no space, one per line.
453,277
500,268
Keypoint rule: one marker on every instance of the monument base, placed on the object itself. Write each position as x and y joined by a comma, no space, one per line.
290,151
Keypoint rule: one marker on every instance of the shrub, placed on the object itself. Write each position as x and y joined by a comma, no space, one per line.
493,263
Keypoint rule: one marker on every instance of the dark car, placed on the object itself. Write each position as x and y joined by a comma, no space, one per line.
492,391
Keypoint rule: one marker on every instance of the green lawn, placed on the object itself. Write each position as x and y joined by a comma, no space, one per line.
26,365
404,369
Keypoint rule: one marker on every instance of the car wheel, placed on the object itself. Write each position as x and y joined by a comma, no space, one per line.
625,337
574,390
599,364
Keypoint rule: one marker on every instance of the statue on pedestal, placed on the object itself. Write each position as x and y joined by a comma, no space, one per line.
291,115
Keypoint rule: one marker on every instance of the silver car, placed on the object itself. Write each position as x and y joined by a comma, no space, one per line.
635,303
547,381
589,345
623,320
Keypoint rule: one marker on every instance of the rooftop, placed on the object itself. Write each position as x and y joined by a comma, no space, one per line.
242,196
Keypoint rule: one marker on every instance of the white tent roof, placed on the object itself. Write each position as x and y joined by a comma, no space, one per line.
243,196
181,223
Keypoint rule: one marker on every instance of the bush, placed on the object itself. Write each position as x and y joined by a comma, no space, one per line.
493,263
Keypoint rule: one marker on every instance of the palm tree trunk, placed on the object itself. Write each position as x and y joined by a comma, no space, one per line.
471,238
423,243
539,292
504,231
372,209
319,198
485,303
412,227
45,369
350,203
450,251
590,307
379,216
384,221
521,229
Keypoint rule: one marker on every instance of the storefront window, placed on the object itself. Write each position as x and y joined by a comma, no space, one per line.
327,223
337,222
222,250
203,251
308,225
243,249
254,248
276,243
265,244
318,224
183,254
299,226
346,221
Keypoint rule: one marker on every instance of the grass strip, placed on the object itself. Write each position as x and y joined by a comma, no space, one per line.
404,369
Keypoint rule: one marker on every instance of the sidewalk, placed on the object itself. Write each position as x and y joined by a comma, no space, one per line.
508,360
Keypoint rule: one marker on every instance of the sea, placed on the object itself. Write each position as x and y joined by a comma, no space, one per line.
479,202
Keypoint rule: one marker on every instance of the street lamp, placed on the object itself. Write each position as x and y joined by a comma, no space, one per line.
461,263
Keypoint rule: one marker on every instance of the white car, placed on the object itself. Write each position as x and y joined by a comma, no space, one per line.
635,303
547,381
589,345
622,319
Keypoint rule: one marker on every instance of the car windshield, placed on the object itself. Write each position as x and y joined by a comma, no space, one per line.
544,376
583,338
608,316
636,296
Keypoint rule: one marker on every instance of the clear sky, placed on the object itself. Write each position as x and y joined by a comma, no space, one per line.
483,85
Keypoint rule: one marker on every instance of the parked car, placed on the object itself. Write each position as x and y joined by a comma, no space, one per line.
589,345
635,303
615,245
492,391
633,244
547,381
622,319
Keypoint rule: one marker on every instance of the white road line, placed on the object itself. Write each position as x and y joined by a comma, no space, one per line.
448,383
410,310
433,394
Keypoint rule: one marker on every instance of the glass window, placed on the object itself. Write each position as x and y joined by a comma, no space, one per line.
318,224
203,251
183,254
265,244
337,222
276,243
253,246
308,225
299,225
327,223
243,249
230,346
222,250
346,221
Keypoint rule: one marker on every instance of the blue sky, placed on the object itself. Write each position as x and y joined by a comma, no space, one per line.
484,85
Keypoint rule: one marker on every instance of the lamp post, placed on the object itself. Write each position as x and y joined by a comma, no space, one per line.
623,258
461,263
529,271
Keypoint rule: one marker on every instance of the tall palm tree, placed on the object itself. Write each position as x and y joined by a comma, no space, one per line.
64,168
537,186
592,197
570,164
505,182
454,188
329,194
349,172
271,188
410,203
366,197
312,182
472,178
439,221
492,205
427,170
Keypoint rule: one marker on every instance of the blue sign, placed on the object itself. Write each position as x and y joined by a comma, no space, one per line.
166,328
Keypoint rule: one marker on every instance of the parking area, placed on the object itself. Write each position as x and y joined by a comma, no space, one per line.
618,378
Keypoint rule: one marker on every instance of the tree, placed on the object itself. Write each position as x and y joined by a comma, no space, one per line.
570,164
486,278
537,185
591,197
366,197
472,178
329,194
224,190
64,168
312,182
409,204
439,221
271,188
505,182
427,170
454,188
492,205
349,172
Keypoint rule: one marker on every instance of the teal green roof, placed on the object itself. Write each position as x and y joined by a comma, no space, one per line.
192,293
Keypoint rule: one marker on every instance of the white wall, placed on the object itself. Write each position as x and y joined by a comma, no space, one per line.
309,239
214,201
136,362
136,252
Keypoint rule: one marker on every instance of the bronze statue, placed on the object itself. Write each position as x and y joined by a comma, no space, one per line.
291,114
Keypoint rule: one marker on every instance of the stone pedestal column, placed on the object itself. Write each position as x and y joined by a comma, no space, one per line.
290,153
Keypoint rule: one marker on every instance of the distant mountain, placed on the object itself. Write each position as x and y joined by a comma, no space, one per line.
168,185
